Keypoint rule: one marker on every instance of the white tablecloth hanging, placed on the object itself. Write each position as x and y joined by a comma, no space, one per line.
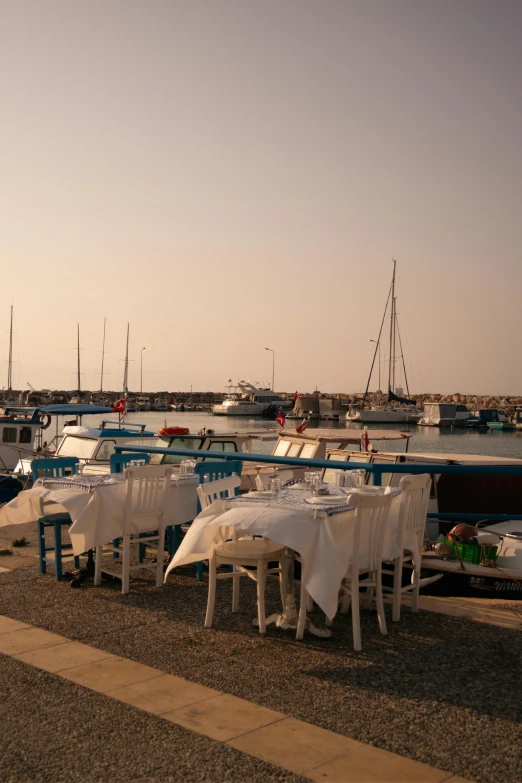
96,509
322,536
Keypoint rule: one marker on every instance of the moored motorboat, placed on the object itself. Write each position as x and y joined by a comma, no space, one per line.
245,399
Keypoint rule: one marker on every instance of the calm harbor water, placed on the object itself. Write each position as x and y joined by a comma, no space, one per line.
424,439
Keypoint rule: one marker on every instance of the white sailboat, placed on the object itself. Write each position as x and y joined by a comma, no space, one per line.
390,413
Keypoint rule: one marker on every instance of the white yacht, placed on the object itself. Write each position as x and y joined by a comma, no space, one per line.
245,399
143,404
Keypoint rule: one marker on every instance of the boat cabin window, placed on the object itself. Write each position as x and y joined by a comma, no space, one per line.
294,450
461,409
175,443
74,446
308,451
222,445
282,448
26,435
106,449
9,435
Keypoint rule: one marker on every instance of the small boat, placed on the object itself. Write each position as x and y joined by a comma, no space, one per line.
517,419
245,399
143,404
161,404
483,417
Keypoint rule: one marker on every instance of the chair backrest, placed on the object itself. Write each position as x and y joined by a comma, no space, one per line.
218,469
371,518
414,507
218,490
146,490
118,462
263,479
54,467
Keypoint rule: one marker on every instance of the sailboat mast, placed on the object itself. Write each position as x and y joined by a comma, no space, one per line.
391,365
103,355
79,383
402,356
10,365
126,370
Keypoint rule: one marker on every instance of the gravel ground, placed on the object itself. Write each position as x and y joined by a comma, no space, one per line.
437,689
54,731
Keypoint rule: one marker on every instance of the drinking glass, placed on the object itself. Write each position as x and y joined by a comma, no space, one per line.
275,487
315,483
339,478
308,479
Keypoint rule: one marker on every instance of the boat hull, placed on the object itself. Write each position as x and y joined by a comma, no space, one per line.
385,416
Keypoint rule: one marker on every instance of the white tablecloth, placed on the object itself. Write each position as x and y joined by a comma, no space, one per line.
97,515
324,541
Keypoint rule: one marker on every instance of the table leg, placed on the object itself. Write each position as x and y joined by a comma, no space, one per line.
289,618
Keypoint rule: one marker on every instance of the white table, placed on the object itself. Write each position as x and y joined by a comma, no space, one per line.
97,513
322,538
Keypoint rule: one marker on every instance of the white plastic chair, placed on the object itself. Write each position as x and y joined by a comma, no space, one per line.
412,523
371,518
239,553
263,479
143,524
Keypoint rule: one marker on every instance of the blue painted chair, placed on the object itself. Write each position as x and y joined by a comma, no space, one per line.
54,468
118,462
215,469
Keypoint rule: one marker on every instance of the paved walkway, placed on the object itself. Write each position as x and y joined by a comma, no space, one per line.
294,745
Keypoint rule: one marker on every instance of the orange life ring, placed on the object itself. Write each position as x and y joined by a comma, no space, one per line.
47,419
173,431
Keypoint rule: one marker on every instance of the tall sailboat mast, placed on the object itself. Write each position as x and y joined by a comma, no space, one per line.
10,365
79,374
391,365
126,370
103,355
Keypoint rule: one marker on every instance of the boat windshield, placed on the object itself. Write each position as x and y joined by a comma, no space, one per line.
175,443
75,446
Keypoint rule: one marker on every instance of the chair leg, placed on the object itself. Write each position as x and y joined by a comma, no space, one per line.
98,564
41,547
115,542
303,603
159,557
199,571
76,562
356,618
212,579
380,603
235,589
415,578
58,550
397,584
261,583
125,576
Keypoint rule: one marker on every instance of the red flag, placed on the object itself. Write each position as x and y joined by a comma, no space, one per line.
303,425
281,419
296,395
230,380
120,406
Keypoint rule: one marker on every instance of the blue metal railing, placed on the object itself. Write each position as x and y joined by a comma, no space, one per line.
376,469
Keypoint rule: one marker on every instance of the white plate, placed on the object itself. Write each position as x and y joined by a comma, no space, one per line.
327,500
364,490
258,493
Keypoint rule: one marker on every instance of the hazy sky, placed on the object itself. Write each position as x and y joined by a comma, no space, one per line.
230,175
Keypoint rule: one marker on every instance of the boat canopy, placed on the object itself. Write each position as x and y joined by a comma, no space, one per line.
345,435
73,408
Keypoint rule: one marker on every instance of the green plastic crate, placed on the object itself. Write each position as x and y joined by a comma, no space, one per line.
473,553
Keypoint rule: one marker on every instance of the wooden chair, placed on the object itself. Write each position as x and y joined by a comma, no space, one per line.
146,490
371,517
239,553
412,522
54,467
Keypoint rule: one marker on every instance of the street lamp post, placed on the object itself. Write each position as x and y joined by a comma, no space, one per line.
378,344
273,365
141,369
